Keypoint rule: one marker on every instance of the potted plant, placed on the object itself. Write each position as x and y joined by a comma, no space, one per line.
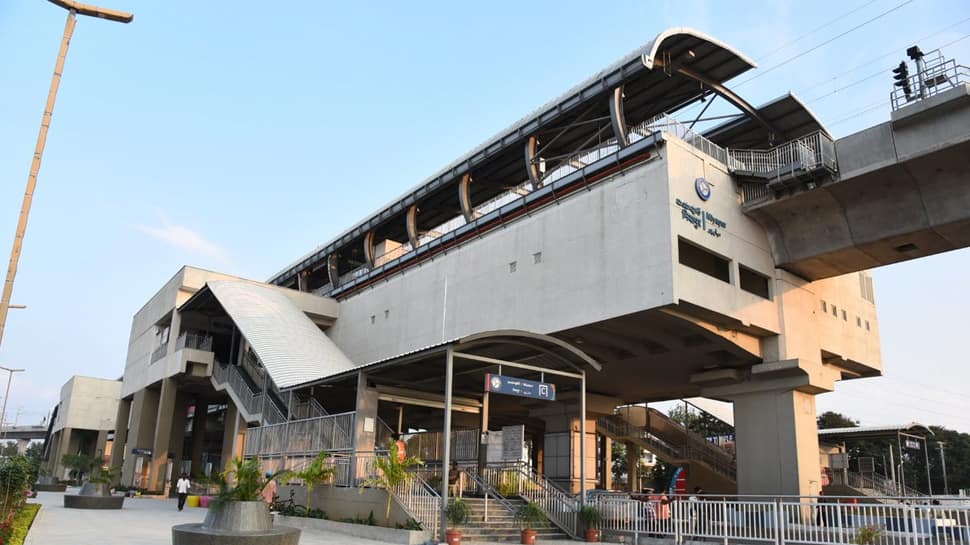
238,512
457,514
591,519
529,516
391,472
315,473
96,492
868,535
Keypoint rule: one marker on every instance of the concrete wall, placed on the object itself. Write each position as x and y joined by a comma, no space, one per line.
88,403
603,254
339,502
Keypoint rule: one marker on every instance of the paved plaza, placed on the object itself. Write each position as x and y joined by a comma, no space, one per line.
143,521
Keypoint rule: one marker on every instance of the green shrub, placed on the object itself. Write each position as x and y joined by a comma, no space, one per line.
16,477
21,523
457,513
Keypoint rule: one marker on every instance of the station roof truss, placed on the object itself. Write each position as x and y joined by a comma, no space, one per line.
912,429
678,68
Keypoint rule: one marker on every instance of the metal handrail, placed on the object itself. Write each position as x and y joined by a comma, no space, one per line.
488,490
938,75
159,352
559,506
420,501
197,341
807,153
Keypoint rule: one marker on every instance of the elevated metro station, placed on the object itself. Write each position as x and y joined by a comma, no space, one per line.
512,311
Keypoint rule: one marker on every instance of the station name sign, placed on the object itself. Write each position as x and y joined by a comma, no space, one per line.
700,218
501,384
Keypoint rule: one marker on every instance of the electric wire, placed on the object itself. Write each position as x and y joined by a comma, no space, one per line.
824,43
841,17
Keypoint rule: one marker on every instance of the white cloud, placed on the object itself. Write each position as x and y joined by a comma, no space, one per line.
184,238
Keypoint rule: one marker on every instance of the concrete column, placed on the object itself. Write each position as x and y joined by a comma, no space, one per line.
141,434
119,448
63,447
198,435
176,440
230,434
777,443
633,465
774,420
99,445
22,445
366,416
163,431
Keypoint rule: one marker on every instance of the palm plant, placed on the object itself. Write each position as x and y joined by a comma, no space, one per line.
317,472
105,475
247,478
391,473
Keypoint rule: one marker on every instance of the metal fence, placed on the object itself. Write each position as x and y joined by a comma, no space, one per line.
810,521
517,479
301,438
807,153
196,340
938,75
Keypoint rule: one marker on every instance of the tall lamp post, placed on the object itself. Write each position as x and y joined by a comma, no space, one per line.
6,396
946,485
73,9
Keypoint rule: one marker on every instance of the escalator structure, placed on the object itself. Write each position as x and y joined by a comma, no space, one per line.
710,465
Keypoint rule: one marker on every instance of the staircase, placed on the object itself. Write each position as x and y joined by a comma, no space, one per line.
243,383
874,485
499,524
670,441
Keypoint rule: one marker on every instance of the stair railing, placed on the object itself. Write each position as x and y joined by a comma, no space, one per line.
559,506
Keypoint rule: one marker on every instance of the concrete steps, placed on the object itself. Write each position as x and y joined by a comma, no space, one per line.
501,525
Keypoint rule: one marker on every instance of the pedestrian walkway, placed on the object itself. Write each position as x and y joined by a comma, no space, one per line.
142,521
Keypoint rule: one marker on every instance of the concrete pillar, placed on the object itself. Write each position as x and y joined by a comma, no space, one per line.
366,416
22,445
158,477
176,440
198,435
99,445
777,443
119,448
774,420
230,435
63,447
633,465
141,434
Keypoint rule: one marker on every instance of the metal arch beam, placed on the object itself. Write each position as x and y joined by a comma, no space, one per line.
332,272
465,198
733,98
618,118
369,248
532,162
411,222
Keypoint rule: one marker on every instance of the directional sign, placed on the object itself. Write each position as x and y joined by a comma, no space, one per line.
501,384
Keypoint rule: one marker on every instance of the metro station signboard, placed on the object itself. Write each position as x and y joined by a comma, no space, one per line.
501,384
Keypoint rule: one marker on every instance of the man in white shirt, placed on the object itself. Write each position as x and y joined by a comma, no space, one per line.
182,487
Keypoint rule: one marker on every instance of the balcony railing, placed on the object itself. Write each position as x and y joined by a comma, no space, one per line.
301,438
939,74
194,340
159,352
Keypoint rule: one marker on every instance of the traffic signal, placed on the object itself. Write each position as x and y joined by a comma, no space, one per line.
901,75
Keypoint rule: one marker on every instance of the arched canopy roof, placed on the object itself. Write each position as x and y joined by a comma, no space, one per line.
874,432
653,82
787,113
424,366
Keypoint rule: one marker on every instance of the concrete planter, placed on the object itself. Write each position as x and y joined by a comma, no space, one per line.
236,523
376,533
93,496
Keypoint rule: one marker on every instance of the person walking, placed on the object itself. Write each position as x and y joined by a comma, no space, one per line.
182,487
269,491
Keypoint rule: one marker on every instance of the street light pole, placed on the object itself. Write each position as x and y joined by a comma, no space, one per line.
946,485
6,396
73,8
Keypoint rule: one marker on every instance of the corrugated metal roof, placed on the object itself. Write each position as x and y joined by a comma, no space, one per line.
872,429
290,345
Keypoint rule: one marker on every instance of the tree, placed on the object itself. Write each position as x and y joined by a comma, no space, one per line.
391,473
79,464
314,474
831,419
700,422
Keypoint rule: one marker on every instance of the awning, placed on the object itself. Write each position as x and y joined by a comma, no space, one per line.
291,347
788,114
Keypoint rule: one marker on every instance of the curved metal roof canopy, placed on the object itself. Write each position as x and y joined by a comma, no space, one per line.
509,345
674,70
787,114
290,346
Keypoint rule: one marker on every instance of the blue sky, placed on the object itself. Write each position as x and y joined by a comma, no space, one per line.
238,139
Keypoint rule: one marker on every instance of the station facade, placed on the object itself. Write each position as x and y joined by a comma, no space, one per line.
517,309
